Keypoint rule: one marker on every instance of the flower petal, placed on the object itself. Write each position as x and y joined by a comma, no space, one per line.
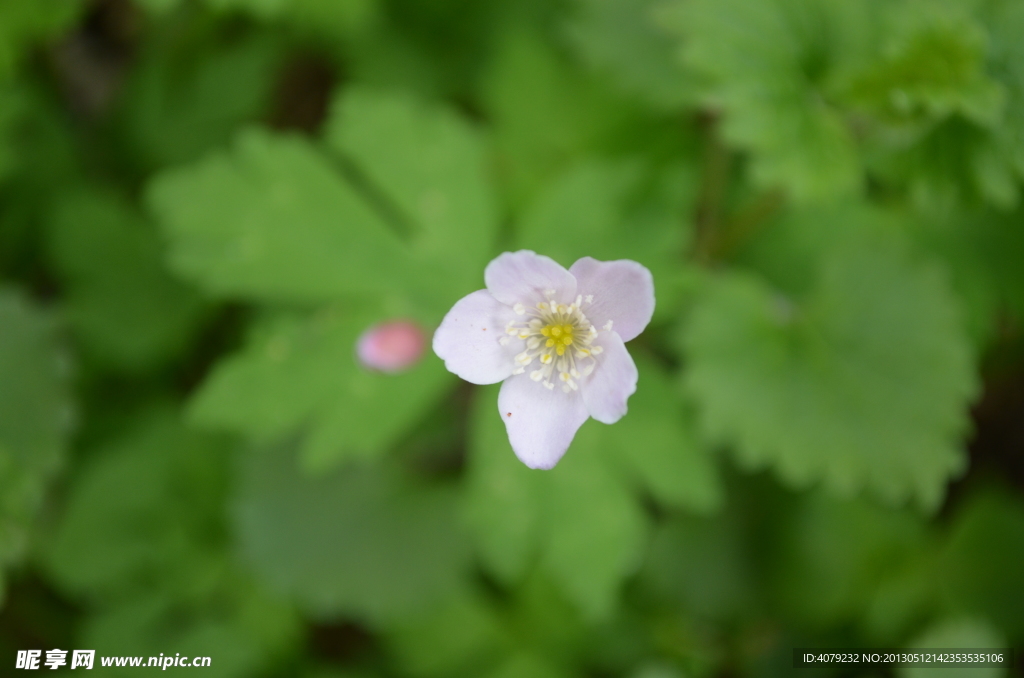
523,276
468,339
540,422
623,293
613,380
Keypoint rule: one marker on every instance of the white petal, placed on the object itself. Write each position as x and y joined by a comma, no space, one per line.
540,422
623,293
468,340
614,378
524,276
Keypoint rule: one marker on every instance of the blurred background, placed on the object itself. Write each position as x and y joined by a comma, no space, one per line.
206,205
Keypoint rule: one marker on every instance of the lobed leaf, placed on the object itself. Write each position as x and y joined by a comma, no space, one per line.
863,382
300,373
272,219
357,541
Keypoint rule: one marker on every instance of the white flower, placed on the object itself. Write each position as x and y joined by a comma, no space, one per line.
556,339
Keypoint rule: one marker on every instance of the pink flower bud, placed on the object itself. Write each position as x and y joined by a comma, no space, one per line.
391,346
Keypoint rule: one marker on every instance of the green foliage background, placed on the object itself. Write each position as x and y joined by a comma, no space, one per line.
203,203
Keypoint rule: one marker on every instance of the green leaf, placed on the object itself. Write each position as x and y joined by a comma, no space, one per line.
35,418
956,164
833,555
35,407
981,249
941,95
333,18
159,7
1005,21
142,542
22,23
457,638
357,541
264,9
956,634
931,66
863,382
301,371
622,38
981,561
12,109
185,100
616,210
272,219
657,443
243,630
545,115
580,518
772,67
594,529
501,501
702,564
525,664
146,511
429,165
125,309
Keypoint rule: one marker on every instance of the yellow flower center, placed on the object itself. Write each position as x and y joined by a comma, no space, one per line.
559,336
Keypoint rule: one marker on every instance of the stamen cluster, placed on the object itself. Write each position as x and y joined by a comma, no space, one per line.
559,336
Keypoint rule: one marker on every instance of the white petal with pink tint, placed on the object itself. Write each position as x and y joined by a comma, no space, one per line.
524,277
472,340
557,344
613,380
623,293
540,422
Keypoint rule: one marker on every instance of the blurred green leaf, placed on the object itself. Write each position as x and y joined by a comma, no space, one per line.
11,111
185,99
459,637
930,66
124,308
580,518
617,210
623,38
703,565
35,407
980,564
265,9
501,500
953,165
832,555
143,543
956,633
428,165
35,417
943,97
772,67
523,665
981,249
146,510
1005,22
545,115
272,219
322,14
594,529
302,371
243,630
359,542
657,443
862,382
23,23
